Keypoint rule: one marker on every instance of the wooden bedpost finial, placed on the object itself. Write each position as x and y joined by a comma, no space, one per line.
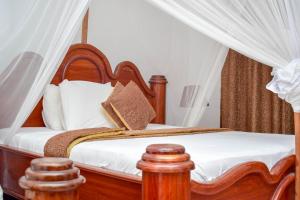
51,178
158,84
166,172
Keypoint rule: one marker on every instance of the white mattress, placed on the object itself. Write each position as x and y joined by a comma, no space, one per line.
213,153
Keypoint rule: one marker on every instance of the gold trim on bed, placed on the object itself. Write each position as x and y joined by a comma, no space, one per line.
61,145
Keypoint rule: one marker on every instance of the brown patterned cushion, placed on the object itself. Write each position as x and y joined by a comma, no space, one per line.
132,107
108,109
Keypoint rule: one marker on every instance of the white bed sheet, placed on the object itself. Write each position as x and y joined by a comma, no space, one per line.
213,153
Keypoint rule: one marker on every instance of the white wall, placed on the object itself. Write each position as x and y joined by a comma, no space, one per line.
158,44
211,117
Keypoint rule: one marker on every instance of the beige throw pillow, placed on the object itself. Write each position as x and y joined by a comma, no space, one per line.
132,107
109,110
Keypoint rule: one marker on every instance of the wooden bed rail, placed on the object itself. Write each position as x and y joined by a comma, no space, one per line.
166,176
166,173
51,178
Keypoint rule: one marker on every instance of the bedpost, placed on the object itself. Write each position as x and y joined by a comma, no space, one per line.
297,147
51,178
166,172
158,84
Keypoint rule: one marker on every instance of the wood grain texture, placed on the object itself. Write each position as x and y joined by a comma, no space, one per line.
243,182
166,173
100,183
251,180
86,62
158,84
85,28
283,187
51,179
297,145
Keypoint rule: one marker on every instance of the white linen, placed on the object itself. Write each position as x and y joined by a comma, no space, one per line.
152,126
213,153
44,28
81,104
265,30
52,109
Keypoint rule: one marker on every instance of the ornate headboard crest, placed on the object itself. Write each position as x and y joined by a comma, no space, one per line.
86,62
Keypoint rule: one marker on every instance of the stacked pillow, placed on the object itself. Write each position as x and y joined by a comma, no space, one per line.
108,108
52,109
75,105
80,104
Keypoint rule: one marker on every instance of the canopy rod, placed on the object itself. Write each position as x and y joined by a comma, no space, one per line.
85,27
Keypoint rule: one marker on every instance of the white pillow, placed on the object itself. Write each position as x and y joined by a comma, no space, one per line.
81,103
52,110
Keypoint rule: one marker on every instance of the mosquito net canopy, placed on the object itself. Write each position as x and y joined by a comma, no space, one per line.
267,31
36,35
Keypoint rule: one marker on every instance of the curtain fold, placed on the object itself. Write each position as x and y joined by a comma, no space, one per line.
266,30
245,103
35,42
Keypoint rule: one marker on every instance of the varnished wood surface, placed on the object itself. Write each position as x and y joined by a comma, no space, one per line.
297,145
166,173
158,85
284,186
85,28
51,179
86,62
15,163
246,181
241,180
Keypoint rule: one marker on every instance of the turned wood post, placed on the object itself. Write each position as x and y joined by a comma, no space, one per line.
85,28
51,178
297,150
166,173
158,84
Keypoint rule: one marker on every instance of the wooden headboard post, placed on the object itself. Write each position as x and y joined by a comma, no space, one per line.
158,84
51,179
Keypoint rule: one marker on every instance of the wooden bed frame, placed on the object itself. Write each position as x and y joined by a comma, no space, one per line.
251,180
85,62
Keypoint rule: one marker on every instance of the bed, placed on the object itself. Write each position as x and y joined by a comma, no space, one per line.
242,176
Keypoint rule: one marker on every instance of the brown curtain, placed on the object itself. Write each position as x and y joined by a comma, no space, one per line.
246,104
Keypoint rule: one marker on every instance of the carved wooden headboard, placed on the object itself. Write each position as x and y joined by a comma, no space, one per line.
86,62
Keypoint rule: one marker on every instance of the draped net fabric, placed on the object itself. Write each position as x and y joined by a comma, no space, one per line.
35,35
266,30
160,44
